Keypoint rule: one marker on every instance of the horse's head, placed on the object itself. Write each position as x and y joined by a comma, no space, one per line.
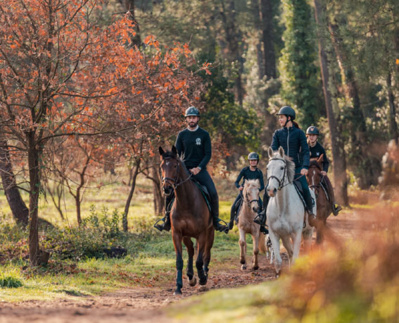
314,175
251,194
170,165
280,169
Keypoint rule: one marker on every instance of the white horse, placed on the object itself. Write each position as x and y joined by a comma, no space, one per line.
246,225
285,211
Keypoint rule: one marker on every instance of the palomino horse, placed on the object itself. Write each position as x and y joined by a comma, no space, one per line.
249,209
285,211
190,218
324,208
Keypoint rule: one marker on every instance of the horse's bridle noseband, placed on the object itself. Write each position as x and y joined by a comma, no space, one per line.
280,181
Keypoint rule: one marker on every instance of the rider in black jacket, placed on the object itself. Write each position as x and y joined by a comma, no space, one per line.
248,172
194,143
293,141
317,150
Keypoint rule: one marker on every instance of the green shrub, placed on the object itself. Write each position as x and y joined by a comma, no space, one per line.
10,282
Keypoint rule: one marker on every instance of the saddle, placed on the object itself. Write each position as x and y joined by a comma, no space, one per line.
299,189
204,192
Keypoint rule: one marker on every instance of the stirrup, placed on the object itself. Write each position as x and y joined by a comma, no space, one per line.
336,209
221,226
161,226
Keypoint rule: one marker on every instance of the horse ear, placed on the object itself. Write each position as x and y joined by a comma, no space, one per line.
174,150
281,151
320,159
270,152
161,151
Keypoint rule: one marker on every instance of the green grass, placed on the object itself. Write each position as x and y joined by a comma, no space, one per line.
150,261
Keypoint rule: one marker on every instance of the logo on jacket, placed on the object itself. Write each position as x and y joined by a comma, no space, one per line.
198,141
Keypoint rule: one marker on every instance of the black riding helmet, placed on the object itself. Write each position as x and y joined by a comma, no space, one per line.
312,130
288,111
253,156
192,112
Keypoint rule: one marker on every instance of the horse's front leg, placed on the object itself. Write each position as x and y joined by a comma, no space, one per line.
190,270
296,239
255,241
276,251
243,249
177,242
203,278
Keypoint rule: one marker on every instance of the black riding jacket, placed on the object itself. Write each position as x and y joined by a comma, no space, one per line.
196,147
316,152
247,173
293,141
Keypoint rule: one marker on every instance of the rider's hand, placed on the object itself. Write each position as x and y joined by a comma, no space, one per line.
304,171
241,188
195,170
323,173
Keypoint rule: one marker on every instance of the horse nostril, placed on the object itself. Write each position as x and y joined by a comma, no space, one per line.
274,191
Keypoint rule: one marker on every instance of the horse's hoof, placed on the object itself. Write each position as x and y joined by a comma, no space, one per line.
177,292
202,288
242,261
255,267
278,275
193,281
243,267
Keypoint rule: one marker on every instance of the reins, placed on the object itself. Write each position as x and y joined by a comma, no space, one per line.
280,181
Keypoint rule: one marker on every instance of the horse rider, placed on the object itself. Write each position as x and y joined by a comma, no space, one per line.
248,172
293,141
194,143
316,150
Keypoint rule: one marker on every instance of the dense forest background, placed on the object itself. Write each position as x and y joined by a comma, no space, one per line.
88,86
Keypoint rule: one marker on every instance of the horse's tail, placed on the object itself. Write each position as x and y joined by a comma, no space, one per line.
262,243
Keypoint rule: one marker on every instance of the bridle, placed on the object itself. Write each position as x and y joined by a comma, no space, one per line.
280,181
316,187
174,182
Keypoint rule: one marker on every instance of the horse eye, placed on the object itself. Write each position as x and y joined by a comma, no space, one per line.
281,167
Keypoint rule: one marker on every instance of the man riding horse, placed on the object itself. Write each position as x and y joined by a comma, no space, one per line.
194,143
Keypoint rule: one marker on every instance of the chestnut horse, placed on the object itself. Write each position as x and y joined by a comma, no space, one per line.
246,225
190,218
324,209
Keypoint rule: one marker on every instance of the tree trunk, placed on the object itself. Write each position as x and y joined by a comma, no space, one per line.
129,198
360,156
159,201
393,127
18,207
34,190
129,6
232,39
340,178
267,37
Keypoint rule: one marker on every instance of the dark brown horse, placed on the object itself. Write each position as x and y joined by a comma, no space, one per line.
324,209
190,218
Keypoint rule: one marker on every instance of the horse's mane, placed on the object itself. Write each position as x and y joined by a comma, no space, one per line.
252,182
290,165
315,163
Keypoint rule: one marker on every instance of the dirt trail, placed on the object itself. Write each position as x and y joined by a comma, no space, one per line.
149,304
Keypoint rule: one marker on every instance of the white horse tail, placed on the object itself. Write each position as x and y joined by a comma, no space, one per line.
262,244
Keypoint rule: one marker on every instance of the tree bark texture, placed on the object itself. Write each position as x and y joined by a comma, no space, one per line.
17,205
130,197
339,165
267,37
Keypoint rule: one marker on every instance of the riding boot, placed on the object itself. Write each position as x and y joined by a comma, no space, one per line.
330,191
261,217
234,210
218,225
166,219
166,223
